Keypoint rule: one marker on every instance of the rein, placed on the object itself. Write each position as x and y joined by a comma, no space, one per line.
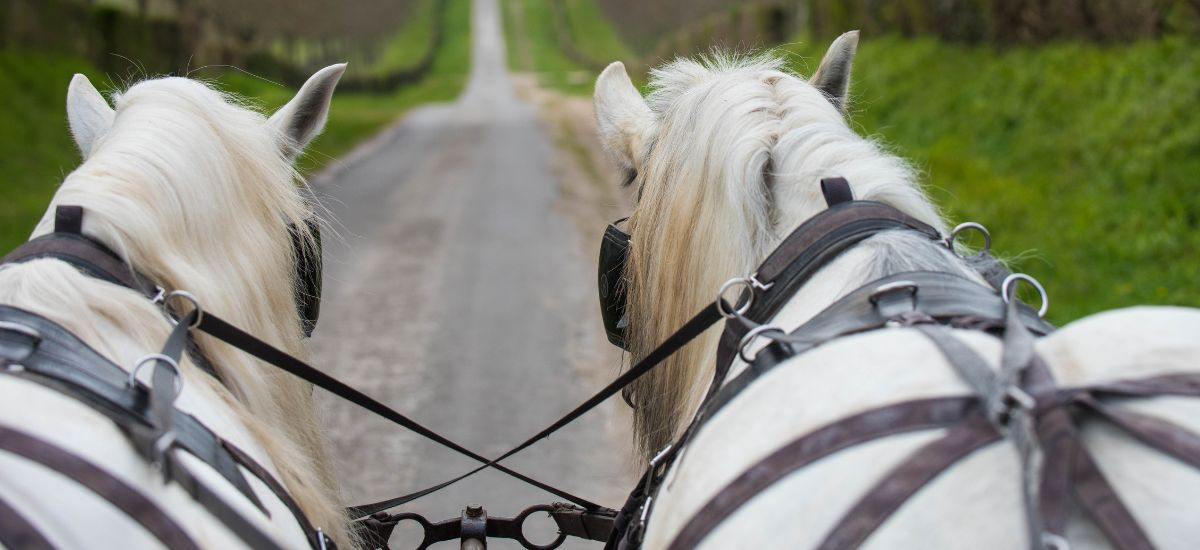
800,255
910,299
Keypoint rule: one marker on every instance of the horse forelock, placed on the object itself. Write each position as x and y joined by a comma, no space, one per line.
194,190
733,167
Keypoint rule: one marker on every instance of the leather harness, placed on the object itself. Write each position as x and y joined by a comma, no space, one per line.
1021,403
43,352
51,356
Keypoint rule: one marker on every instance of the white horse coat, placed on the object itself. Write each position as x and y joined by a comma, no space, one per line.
728,156
196,192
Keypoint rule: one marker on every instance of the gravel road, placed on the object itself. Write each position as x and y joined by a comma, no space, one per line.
459,293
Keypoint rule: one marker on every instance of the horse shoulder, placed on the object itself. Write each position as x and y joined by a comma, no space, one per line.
839,379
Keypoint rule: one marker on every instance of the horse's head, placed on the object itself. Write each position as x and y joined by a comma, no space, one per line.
727,154
197,191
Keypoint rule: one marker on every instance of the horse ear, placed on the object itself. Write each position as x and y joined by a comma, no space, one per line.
833,75
303,118
88,114
622,116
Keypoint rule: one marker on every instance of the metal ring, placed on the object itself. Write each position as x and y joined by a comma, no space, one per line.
157,357
520,519
749,284
987,236
186,296
749,338
1008,287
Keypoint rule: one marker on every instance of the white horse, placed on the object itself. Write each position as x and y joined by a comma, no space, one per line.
196,191
727,155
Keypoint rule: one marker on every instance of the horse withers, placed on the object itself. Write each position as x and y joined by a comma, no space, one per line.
184,187
939,429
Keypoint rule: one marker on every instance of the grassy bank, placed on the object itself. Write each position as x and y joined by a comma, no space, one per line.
39,150
1084,161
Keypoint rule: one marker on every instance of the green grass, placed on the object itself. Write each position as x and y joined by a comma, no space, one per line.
592,33
1083,160
39,151
533,46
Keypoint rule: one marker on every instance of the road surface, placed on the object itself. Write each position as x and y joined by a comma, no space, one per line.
459,293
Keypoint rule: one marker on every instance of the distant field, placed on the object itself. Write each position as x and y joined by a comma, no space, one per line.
39,151
1083,160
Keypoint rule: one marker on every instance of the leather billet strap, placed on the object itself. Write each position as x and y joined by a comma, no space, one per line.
124,497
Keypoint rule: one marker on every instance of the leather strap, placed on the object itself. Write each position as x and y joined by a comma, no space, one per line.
68,219
941,296
248,462
861,428
836,191
16,531
122,496
1102,503
52,362
900,484
835,229
1163,435
85,254
706,318
809,248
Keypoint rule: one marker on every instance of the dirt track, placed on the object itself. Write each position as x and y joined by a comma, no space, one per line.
462,293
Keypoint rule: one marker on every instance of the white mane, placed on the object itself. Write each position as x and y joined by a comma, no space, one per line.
731,164
196,192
